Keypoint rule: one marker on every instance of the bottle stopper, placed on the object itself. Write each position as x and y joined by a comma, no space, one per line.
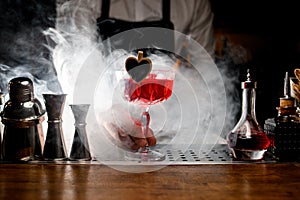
286,103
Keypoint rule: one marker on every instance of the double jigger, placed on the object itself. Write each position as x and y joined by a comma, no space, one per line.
54,148
22,116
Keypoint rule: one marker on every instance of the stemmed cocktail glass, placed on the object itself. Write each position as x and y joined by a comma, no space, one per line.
155,87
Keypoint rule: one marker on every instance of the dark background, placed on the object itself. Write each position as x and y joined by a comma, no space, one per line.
270,32
22,42
267,29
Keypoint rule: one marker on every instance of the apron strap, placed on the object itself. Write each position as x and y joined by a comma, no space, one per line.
166,10
105,7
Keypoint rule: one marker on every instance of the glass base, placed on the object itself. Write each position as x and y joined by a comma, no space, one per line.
242,154
145,154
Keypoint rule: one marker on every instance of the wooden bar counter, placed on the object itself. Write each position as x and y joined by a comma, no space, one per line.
97,181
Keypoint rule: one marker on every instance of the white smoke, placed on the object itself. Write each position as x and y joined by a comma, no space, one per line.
23,50
194,114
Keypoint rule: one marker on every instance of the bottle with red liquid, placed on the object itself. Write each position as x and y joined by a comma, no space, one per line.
247,140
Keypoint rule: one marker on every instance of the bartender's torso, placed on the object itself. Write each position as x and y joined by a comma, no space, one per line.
149,10
190,17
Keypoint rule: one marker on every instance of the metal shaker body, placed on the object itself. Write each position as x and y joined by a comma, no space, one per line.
22,116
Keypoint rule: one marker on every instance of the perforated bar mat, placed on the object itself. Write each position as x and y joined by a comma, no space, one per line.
219,154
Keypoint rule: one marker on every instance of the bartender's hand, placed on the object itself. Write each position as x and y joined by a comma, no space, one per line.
133,139
126,131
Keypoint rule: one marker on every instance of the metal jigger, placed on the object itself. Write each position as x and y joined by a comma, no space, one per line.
80,148
55,148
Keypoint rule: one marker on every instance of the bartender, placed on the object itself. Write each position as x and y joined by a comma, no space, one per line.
190,17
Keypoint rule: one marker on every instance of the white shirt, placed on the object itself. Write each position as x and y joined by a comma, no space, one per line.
190,17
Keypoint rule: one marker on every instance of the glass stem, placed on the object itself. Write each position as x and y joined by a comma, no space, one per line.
145,119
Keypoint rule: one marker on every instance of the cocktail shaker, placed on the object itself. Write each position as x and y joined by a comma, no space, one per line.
22,116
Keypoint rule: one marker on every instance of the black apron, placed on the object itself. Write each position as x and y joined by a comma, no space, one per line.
151,37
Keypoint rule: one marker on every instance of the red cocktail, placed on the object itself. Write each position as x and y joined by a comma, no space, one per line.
156,87
149,91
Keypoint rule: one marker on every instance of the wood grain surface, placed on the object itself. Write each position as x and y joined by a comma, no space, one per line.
72,181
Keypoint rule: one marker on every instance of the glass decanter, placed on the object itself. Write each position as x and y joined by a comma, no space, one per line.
247,140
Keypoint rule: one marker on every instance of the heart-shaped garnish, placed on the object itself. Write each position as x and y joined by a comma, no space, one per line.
139,68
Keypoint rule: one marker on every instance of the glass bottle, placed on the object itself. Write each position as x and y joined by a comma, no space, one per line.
247,140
